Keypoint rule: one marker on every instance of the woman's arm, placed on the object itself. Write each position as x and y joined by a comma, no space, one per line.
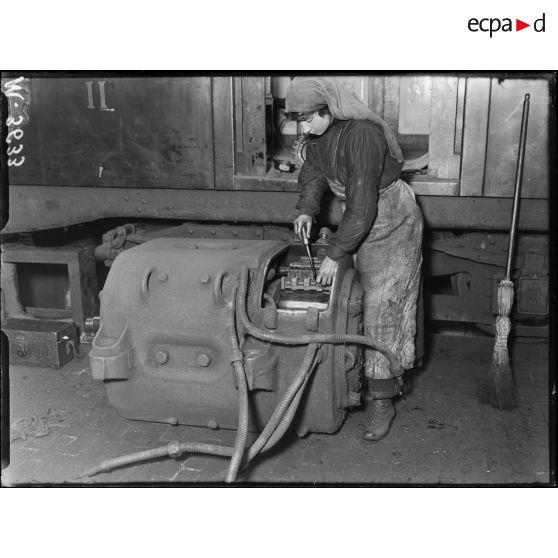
312,184
364,155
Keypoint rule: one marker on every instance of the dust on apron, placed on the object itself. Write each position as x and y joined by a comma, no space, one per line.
389,261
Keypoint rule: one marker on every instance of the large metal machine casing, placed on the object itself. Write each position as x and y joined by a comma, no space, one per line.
163,347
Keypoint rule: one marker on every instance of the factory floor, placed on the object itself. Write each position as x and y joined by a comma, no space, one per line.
61,424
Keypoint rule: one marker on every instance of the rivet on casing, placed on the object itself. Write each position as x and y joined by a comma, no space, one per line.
161,357
203,359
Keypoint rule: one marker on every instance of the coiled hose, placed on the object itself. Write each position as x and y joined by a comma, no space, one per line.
237,357
395,367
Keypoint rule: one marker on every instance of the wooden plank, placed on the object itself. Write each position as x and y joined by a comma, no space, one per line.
357,85
443,162
459,116
432,187
222,101
126,132
250,140
504,126
415,98
376,94
391,102
475,129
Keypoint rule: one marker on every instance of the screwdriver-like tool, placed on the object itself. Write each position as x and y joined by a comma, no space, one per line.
309,252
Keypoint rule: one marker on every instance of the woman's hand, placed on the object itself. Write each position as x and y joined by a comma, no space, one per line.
302,222
326,271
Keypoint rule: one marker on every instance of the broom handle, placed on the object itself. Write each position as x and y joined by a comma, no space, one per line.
518,181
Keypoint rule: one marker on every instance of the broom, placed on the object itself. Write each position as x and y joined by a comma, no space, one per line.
498,388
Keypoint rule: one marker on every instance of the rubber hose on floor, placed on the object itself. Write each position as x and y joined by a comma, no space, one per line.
283,405
283,426
174,449
242,430
394,367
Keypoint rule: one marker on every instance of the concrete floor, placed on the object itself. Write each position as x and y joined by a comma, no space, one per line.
442,434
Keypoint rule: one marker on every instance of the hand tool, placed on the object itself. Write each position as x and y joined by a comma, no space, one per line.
309,252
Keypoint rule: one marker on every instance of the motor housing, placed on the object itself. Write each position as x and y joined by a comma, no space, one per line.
163,348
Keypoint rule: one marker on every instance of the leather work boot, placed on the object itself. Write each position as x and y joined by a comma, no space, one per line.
381,412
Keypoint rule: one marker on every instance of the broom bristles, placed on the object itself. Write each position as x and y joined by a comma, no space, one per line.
499,388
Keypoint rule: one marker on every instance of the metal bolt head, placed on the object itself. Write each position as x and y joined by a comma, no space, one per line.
203,359
161,357
172,421
204,278
162,277
212,424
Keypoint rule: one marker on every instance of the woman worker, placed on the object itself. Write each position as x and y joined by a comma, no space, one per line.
356,154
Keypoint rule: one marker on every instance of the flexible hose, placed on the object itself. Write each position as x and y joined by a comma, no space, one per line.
283,405
394,367
242,430
286,420
174,449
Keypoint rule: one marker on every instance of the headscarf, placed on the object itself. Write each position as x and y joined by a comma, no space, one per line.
307,94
